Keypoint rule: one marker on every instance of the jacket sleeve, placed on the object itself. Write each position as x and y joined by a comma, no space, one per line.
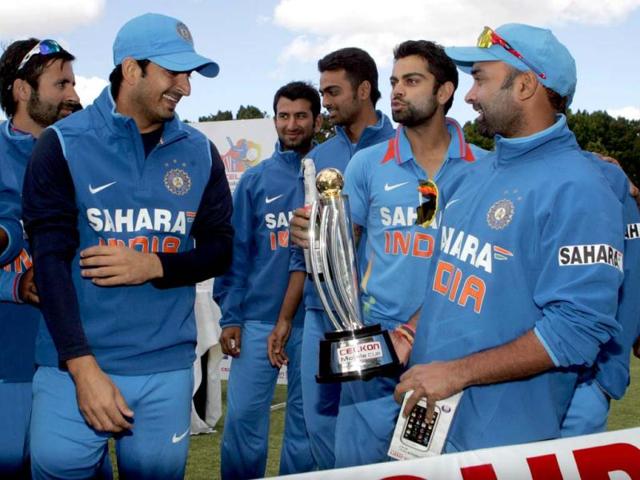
10,215
230,290
212,231
50,219
577,288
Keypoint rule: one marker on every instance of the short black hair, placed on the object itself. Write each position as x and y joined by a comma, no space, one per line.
297,91
358,66
438,63
115,77
30,72
559,103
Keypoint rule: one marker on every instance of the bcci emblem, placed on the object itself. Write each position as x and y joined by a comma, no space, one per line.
177,181
184,32
500,214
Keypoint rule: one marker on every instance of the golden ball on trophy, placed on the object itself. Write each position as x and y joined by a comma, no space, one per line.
329,182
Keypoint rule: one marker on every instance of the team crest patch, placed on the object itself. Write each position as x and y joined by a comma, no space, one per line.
177,181
500,214
184,32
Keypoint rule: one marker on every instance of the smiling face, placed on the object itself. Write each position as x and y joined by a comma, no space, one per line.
155,95
55,97
295,124
414,92
492,97
339,97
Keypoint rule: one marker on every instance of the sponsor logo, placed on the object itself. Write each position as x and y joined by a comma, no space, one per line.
95,190
398,216
277,220
177,181
500,214
632,231
178,438
388,188
467,248
132,220
570,255
272,199
348,354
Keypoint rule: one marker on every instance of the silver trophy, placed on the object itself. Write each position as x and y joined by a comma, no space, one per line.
353,350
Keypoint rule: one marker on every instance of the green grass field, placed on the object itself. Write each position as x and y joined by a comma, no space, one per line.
204,454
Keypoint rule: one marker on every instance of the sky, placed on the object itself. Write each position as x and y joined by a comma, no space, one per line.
262,44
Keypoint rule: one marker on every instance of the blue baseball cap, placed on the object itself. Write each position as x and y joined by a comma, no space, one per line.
541,53
165,41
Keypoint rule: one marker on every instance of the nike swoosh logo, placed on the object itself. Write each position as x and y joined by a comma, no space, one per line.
388,188
178,438
451,202
100,188
273,199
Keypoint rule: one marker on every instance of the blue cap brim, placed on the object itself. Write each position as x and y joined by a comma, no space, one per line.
465,57
187,61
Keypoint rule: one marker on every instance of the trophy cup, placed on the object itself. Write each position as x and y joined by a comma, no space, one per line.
353,350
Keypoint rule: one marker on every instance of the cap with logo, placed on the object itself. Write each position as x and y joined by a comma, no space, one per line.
524,47
164,40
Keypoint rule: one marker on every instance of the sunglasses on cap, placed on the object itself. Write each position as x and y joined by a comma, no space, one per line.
44,47
429,206
488,37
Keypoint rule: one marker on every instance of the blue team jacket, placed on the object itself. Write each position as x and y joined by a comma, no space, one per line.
148,204
335,153
18,322
611,369
534,241
263,202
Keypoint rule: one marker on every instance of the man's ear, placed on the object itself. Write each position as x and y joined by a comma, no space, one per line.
526,85
131,70
364,90
21,90
445,91
317,124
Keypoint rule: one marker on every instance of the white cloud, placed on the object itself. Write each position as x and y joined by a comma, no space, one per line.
632,113
378,25
24,18
89,88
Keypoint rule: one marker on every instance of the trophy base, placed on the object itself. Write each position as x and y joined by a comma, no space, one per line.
357,355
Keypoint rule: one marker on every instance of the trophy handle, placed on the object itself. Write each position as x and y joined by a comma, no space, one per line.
328,220
314,247
344,260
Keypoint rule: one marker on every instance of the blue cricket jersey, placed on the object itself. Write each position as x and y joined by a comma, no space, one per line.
381,183
533,241
117,195
335,153
18,322
263,203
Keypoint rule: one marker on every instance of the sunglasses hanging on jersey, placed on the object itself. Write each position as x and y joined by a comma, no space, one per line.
429,202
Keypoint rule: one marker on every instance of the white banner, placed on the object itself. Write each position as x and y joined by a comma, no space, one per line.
605,456
241,143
